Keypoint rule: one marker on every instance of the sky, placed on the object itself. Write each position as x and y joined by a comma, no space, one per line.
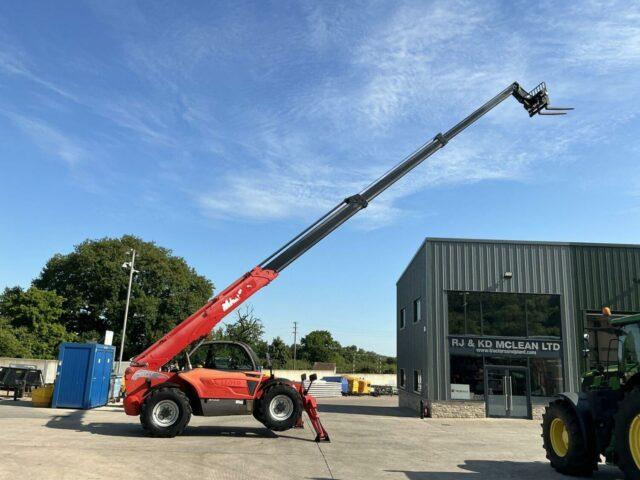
221,129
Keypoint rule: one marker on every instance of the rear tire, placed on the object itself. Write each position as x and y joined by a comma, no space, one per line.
280,407
563,441
627,432
257,411
165,412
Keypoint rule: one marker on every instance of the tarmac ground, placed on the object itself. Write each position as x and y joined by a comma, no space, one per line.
370,438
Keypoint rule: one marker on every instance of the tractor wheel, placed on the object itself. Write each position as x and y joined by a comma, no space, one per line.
563,442
627,434
165,412
257,411
280,407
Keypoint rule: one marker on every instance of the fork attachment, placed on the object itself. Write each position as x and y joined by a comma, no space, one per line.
537,101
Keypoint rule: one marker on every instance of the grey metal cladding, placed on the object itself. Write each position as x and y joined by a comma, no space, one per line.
607,276
586,276
480,266
410,340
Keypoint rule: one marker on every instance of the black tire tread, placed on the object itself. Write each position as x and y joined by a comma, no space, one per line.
271,392
179,427
628,408
577,462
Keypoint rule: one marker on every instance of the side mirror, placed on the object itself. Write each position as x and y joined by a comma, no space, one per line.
313,377
269,365
585,345
303,377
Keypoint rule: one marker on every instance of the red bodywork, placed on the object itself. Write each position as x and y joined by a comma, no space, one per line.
145,373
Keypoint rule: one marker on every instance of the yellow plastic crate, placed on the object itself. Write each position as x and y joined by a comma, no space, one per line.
364,387
41,396
353,385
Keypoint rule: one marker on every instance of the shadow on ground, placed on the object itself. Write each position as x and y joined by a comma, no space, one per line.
491,469
74,421
365,410
10,402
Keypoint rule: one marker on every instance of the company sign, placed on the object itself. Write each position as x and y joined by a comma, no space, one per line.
528,347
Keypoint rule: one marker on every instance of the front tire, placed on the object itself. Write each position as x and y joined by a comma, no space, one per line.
165,412
563,440
627,431
280,407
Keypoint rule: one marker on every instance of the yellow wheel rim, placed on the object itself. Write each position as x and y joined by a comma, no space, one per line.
560,437
634,440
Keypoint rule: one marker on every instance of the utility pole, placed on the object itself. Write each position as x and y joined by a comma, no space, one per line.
126,308
295,343
353,362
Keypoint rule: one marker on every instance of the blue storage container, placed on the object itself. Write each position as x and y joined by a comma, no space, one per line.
339,379
84,370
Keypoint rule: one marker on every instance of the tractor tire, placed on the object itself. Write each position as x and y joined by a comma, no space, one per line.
165,412
280,407
627,434
563,442
257,411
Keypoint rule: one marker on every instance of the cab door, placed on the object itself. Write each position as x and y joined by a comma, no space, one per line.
223,371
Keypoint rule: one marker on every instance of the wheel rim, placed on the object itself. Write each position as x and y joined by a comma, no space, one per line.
634,440
560,437
281,407
165,413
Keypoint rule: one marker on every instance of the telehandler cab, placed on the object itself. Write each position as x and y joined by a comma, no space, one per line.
223,378
604,418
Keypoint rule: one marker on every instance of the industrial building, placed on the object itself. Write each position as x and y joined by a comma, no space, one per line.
496,328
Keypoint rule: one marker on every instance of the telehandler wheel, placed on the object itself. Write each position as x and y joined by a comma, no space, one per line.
257,411
281,406
627,434
563,442
165,412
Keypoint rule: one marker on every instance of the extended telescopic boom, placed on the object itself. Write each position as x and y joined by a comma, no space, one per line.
201,322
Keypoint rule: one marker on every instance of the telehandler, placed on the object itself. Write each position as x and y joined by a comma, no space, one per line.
224,378
604,418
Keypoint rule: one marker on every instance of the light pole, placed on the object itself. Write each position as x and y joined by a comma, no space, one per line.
353,365
129,265
295,343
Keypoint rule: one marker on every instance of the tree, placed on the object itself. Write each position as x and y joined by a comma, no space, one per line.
32,320
247,328
26,308
318,346
10,342
279,352
94,286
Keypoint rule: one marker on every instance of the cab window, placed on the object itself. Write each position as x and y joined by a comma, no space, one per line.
221,356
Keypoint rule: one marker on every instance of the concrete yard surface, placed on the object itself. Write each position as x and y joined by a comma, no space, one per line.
370,438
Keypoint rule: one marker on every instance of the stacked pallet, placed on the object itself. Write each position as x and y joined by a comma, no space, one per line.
323,389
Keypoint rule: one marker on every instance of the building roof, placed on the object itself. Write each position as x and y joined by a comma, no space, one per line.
530,242
513,242
324,366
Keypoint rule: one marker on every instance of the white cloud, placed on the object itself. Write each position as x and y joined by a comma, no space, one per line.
51,140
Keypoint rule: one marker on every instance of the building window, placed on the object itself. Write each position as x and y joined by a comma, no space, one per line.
546,376
417,310
504,314
403,317
417,381
403,378
467,374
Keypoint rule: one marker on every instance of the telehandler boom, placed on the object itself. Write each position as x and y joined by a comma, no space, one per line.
226,379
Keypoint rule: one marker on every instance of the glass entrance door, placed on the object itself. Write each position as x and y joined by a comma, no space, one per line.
507,392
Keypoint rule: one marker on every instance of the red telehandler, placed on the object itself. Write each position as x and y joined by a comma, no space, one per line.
223,378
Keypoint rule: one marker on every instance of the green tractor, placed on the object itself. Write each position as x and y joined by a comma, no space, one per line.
604,418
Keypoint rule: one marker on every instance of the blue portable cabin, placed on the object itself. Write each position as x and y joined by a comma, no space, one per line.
339,379
84,371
